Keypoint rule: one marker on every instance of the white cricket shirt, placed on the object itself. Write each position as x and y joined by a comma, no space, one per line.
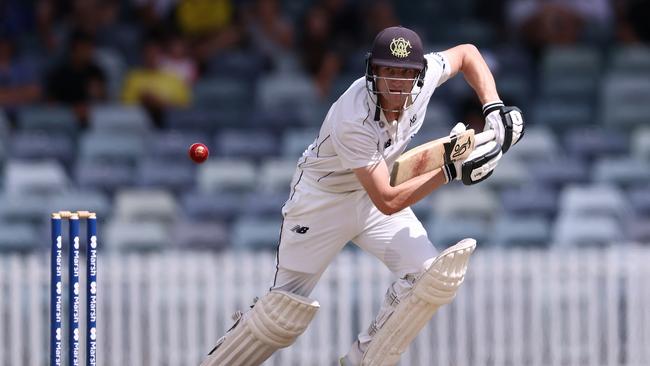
350,137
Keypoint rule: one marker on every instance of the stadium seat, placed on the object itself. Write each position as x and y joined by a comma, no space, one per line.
144,205
463,202
226,174
112,64
24,208
256,233
625,99
639,199
173,175
586,231
41,145
261,203
593,201
135,235
641,143
294,142
570,87
242,64
119,119
284,92
639,230
633,60
562,113
529,200
438,116
100,147
444,232
48,118
41,177
509,173
625,115
255,144
19,237
276,174
104,176
218,206
81,200
625,172
540,144
222,92
212,235
511,231
196,120
590,143
571,60
4,125
173,145
559,171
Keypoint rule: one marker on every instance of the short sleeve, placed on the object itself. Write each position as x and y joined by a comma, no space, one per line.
355,146
439,70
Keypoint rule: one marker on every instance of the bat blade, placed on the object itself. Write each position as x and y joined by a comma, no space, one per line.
434,154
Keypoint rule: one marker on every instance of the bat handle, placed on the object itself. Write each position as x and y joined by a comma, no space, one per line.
484,137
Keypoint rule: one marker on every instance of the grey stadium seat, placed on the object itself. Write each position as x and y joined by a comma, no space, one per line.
586,231
46,177
145,205
134,235
256,233
120,119
226,174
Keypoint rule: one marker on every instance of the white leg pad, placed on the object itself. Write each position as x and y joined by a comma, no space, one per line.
276,320
436,287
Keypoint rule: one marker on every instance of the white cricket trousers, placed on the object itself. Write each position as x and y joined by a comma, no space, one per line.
317,225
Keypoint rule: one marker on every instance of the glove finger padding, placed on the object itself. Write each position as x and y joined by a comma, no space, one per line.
481,163
513,122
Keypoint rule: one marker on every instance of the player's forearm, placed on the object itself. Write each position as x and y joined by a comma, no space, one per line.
412,191
478,74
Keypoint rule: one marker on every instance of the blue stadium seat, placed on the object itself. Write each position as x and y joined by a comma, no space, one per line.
135,235
226,175
119,119
570,87
286,92
212,235
261,204
571,60
639,230
509,173
562,113
104,176
24,208
294,142
444,232
540,144
222,92
48,118
173,145
243,64
275,174
256,233
144,205
639,198
100,147
464,201
19,237
511,231
641,143
625,172
625,100
219,206
559,171
81,200
631,59
578,231
530,200
246,144
41,145
593,201
39,177
590,143
173,175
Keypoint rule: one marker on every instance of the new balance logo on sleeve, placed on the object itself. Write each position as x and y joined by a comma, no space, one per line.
300,229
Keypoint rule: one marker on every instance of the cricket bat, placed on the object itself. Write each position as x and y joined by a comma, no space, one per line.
434,154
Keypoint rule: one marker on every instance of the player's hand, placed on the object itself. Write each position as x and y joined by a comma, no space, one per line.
478,166
507,123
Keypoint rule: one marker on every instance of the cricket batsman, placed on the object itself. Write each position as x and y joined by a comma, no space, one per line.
341,192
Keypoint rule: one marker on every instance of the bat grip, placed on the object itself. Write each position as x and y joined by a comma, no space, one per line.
484,137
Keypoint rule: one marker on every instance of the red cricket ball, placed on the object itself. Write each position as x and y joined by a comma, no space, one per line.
198,152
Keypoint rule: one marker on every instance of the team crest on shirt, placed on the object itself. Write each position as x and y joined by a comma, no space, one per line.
399,47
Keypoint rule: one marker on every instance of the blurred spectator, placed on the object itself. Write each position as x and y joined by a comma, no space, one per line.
633,23
152,86
382,15
556,22
177,59
269,32
19,82
77,80
319,55
212,25
346,23
152,13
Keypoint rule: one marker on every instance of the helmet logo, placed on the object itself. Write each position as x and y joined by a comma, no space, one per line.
399,47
